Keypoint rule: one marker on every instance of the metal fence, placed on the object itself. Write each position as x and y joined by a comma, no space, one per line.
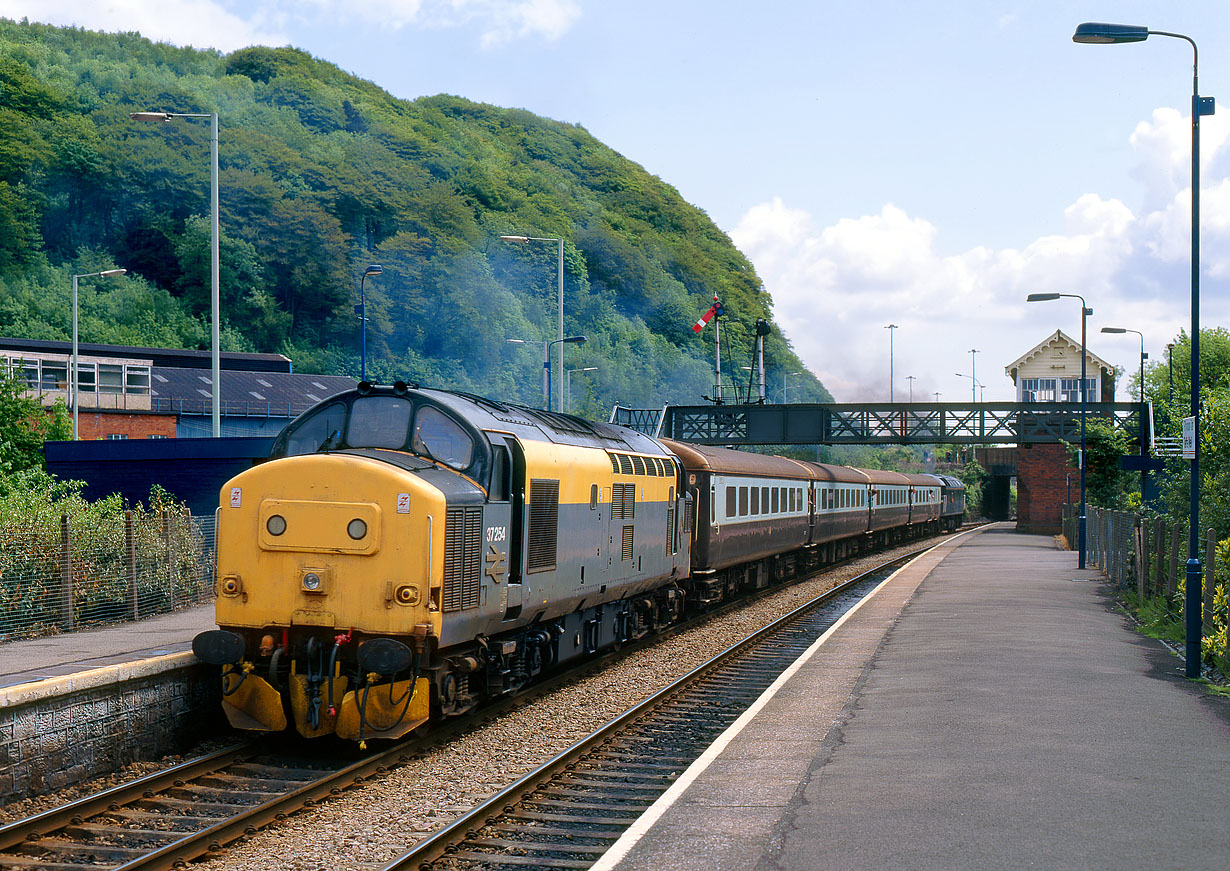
92,572
1149,553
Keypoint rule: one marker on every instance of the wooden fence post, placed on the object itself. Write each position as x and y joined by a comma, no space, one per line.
1159,540
66,576
1142,559
1210,579
1173,586
130,562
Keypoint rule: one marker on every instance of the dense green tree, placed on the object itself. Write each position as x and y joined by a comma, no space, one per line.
321,174
25,425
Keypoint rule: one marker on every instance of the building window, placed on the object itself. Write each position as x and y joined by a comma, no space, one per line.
1037,389
116,436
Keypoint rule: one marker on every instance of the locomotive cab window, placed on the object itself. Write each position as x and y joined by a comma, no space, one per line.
316,432
378,422
438,437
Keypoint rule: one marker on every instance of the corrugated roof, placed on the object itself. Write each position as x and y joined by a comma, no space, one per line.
277,394
228,360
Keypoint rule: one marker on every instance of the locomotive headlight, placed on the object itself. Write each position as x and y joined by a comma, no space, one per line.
276,524
356,529
311,581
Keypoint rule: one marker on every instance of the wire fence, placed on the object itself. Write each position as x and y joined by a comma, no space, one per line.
91,571
1150,553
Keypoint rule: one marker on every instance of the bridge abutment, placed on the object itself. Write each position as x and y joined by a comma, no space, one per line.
1044,475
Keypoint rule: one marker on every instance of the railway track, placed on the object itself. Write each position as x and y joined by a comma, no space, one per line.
568,812
169,818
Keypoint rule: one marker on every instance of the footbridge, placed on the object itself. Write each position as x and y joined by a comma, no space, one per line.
914,423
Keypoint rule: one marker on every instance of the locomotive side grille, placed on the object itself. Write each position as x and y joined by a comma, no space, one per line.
623,501
672,542
544,525
463,542
627,548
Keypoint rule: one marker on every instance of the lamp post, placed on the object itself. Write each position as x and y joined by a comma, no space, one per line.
361,310
973,374
937,397
911,379
570,340
546,369
1085,313
976,386
215,296
890,328
525,240
1170,366
73,376
1144,473
1104,34
568,385
785,387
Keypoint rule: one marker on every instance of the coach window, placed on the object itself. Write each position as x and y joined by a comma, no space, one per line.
743,502
774,499
500,465
732,501
755,500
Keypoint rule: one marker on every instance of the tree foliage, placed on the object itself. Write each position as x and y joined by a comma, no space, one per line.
321,174
25,425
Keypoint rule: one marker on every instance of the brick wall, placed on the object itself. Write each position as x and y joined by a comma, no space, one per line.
93,425
1042,482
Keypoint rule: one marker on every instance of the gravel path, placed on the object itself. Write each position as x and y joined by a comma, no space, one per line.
368,826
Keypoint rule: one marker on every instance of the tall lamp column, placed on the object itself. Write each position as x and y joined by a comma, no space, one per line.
1144,449
1108,34
1085,313
523,240
73,375
215,295
890,328
361,309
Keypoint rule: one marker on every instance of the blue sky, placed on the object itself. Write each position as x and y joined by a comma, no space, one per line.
927,165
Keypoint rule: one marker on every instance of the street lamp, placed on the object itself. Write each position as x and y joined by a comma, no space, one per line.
973,374
890,328
215,295
361,310
570,340
546,368
911,379
1144,473
525,240
568,385
976,386
785,377
1170,366
1085,313
73,378
1098,33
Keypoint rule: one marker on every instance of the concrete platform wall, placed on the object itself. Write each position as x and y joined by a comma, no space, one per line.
62,731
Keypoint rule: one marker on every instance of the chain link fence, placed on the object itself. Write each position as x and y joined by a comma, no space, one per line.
1150,554
90,571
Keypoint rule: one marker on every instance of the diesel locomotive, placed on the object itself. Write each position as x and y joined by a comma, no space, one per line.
407,553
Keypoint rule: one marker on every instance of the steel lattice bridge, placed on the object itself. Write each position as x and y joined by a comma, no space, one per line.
915,423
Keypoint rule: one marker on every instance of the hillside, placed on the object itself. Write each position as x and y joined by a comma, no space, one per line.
321,174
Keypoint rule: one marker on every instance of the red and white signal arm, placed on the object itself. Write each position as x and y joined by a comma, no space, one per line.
1189,438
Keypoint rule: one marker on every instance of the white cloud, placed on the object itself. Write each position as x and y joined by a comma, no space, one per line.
231,24
199,23
836,287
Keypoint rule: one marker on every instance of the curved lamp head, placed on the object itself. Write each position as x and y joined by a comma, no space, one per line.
1041,297
573,340
1097,33
1114,330
374,269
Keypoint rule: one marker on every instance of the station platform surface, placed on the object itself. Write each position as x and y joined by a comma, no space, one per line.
989,707
53,656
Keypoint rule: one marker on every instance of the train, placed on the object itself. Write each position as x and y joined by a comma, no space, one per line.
407,553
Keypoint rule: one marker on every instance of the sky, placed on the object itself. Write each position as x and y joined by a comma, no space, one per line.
924,165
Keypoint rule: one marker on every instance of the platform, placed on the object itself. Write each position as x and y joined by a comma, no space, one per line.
989,707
